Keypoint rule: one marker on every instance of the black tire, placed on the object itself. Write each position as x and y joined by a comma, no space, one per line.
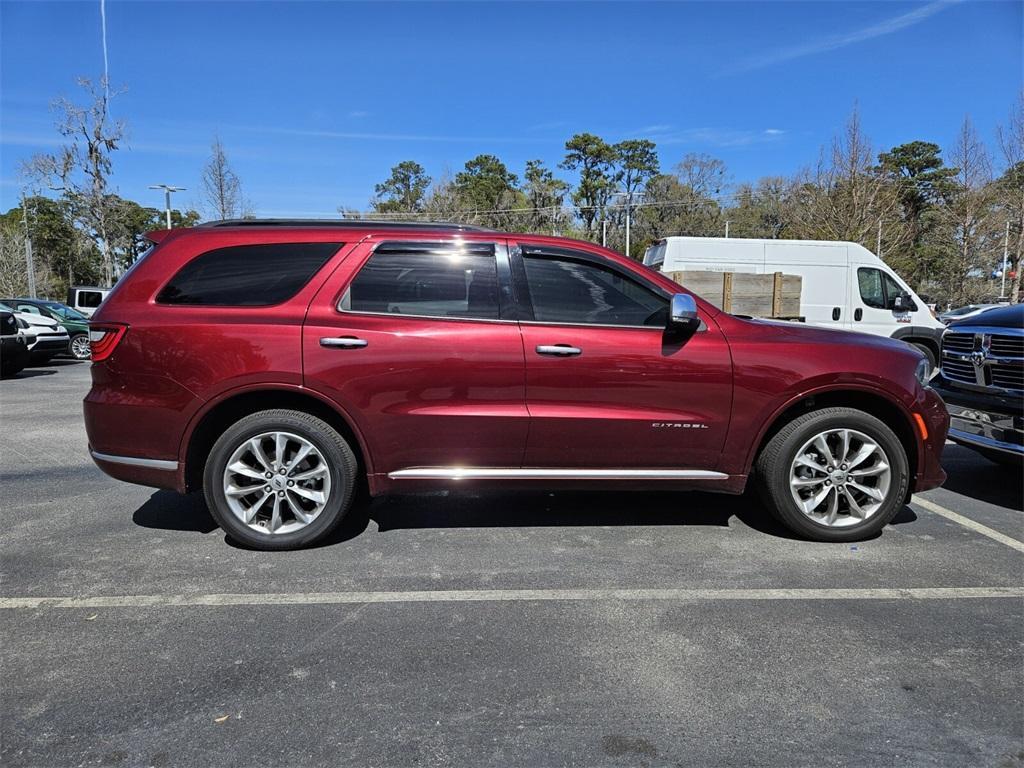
929,353
336,452
773,466
13,368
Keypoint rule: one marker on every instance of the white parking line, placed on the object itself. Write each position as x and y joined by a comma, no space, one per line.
966,522
507,595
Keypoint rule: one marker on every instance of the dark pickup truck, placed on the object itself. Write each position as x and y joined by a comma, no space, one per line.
981,379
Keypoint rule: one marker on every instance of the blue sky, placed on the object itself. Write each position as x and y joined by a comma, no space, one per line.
315,101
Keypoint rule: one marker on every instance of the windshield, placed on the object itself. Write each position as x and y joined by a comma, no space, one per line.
63,311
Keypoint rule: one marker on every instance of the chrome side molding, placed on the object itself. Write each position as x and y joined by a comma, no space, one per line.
500,473
131,461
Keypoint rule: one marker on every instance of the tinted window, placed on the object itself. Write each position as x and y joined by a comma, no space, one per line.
870,283
565,290
247,275
433,280
90,299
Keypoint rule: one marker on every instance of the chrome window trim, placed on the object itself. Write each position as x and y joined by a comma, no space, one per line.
509,473
132,461
424,317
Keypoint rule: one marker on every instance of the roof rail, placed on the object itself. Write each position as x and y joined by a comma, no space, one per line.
346,224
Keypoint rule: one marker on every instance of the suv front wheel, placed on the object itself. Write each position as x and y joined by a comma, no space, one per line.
279,480
836,474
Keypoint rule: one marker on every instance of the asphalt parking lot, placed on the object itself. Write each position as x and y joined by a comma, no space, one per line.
531,629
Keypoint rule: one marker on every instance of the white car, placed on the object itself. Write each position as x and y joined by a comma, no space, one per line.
44,336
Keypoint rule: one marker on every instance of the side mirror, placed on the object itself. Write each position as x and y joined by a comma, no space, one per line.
682,314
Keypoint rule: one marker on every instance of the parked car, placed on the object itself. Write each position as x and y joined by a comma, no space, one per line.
13,349
47,337
281,365
962,313
844,285
86,298
75,322
982,382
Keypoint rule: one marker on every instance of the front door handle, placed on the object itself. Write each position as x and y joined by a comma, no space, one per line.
343,342
559,350
858,314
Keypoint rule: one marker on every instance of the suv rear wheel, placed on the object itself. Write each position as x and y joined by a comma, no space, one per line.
279,480
836,474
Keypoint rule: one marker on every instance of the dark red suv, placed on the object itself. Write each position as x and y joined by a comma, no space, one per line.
278,365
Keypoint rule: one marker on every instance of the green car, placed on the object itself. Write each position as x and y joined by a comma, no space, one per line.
76,323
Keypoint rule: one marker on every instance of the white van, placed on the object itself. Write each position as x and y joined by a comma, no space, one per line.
86,298
844,284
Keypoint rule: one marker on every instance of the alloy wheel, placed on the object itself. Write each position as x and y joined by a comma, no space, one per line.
277,482
80,349
840,478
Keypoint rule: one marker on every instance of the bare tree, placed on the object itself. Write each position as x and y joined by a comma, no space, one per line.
1011,142
222,189
968,211
13,268
80,171
846,196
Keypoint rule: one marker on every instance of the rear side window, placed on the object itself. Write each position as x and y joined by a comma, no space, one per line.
564,290
90,299
428,280
247,275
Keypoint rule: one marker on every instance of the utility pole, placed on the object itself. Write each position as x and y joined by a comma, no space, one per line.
1006,247
629,200
30,267
878,247
604,233
167,197
727,229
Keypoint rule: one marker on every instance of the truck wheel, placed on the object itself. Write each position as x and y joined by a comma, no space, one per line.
836,474
279,480
925,350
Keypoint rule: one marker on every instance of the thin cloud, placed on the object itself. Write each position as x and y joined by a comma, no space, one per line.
715,137
358,113
833,42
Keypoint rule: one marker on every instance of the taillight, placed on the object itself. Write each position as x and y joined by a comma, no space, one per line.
103,339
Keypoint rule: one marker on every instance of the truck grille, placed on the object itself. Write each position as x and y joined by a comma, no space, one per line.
983,359
958,342
1007,346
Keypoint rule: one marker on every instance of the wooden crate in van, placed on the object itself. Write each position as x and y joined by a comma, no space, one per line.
743,293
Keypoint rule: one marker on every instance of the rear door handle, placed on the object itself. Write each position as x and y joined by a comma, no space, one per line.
559,350
343,342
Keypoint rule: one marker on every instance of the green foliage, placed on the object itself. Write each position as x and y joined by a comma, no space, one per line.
404,191
594,159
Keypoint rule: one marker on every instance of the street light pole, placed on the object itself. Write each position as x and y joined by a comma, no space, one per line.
604,233
167,188
1006,246
30,267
